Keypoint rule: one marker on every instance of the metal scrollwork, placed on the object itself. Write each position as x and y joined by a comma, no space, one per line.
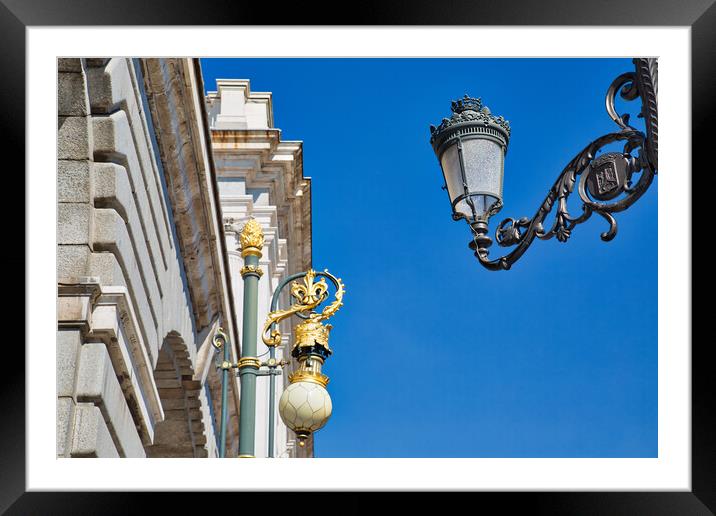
606,184
308,294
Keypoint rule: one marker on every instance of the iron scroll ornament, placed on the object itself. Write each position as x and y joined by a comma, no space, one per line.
609,177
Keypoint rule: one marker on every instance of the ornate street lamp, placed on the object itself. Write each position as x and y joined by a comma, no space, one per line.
471,146
305,405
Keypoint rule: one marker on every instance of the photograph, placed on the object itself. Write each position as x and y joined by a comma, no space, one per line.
345,258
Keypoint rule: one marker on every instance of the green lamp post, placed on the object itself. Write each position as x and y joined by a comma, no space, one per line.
305,406
251,240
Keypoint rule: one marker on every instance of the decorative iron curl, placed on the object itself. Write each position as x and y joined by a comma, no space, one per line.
220,338
626,86
522,232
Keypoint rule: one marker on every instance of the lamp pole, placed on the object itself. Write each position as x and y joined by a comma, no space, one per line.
305,406
251,239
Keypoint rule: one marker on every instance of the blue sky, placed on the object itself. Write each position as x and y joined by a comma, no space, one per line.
435,356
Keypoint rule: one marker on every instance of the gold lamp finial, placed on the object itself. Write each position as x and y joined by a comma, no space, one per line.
251,238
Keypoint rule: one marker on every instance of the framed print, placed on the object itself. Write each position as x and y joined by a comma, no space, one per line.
231,197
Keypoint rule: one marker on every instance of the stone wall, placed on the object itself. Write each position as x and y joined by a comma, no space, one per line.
141,267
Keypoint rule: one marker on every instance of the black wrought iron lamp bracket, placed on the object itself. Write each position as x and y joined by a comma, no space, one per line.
599,180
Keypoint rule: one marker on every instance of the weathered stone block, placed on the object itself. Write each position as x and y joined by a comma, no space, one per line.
172,393
166,363
166,374
97,61
193,403
191,385
168,383
100,94
72,261
113,136
72,95
112,85
172,431
97,383
74,138
169,450
90,435
65,64
65,407
73,310
174,404
68,346
175,415
111,185
106,267
73,181
73,223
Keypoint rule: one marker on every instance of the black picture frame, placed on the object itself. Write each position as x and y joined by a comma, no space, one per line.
700,15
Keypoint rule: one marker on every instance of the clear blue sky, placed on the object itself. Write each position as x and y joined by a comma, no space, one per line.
435,356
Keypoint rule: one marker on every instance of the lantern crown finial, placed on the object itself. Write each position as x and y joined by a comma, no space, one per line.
469,111
467,103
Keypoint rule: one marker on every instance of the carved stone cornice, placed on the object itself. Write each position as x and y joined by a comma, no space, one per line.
278,166
178,123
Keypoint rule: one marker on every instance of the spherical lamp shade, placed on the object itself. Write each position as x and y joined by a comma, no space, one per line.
471,147
305,407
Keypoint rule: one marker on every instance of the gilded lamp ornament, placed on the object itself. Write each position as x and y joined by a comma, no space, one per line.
251,238
305,406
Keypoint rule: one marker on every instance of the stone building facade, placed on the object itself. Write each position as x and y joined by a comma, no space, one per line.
149,203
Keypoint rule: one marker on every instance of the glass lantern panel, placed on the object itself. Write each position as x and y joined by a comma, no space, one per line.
450,162
484,166
483,203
